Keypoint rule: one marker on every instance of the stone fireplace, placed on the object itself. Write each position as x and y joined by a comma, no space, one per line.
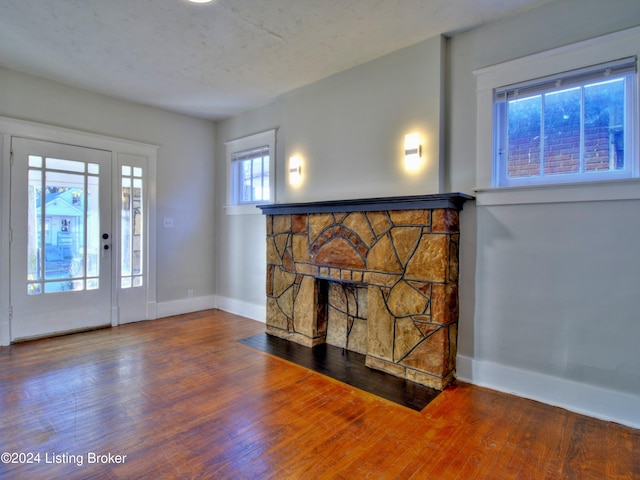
376,276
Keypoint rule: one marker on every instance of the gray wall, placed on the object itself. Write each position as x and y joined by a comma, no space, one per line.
240,239
349,130
555,283
548,291
185,170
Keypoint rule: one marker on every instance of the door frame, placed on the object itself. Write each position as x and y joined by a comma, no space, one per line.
10,127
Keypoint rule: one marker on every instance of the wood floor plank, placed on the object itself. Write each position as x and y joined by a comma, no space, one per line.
182,398
527,453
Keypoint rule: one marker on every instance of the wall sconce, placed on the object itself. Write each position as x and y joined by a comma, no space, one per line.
295,170
412,152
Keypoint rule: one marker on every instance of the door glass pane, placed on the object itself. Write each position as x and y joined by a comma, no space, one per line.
63,227
64,252
93,228
136,250
132,227
35,161
34,237
65,286
125,268
67,165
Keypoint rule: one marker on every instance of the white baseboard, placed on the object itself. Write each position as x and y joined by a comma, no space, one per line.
186,305
231,305
152,310
5,333
244,309
605,404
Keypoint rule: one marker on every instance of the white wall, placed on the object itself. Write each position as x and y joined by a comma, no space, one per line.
548,302
185,171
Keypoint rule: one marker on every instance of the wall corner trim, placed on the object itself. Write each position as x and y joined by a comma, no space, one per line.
187,305
244,309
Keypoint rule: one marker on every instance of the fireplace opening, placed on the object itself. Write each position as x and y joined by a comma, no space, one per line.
346,312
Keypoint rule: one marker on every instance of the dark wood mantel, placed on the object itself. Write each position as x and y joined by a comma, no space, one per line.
411,202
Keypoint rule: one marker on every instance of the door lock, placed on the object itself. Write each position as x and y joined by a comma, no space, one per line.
105,246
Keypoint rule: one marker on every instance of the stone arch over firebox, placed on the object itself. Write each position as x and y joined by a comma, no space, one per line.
339,246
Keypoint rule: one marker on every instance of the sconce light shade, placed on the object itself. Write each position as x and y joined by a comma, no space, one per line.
412,145
295,170
412,151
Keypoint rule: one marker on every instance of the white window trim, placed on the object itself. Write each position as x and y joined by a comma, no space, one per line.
617,45
247,143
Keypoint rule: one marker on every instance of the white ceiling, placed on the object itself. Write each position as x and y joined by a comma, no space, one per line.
223,58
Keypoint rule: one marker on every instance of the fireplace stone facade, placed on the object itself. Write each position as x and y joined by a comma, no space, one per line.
397,262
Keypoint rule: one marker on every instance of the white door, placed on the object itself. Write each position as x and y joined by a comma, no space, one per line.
60,252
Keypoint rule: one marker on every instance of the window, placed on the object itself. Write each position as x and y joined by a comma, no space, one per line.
250,175
567,116
251,172
574,126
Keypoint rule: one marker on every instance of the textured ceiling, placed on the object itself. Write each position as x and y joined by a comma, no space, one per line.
219,59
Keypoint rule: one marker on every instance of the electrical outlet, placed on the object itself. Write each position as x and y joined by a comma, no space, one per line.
190,293
168,222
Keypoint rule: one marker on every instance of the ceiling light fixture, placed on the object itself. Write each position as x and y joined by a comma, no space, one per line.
201,1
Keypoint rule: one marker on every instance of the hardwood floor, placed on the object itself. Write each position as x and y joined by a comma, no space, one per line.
181,398
347,367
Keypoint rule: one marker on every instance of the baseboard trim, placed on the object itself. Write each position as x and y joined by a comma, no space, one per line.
245,309
605,404
231,305
186,305
5,334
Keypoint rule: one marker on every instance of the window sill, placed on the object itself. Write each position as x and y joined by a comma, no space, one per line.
242,209
628,189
